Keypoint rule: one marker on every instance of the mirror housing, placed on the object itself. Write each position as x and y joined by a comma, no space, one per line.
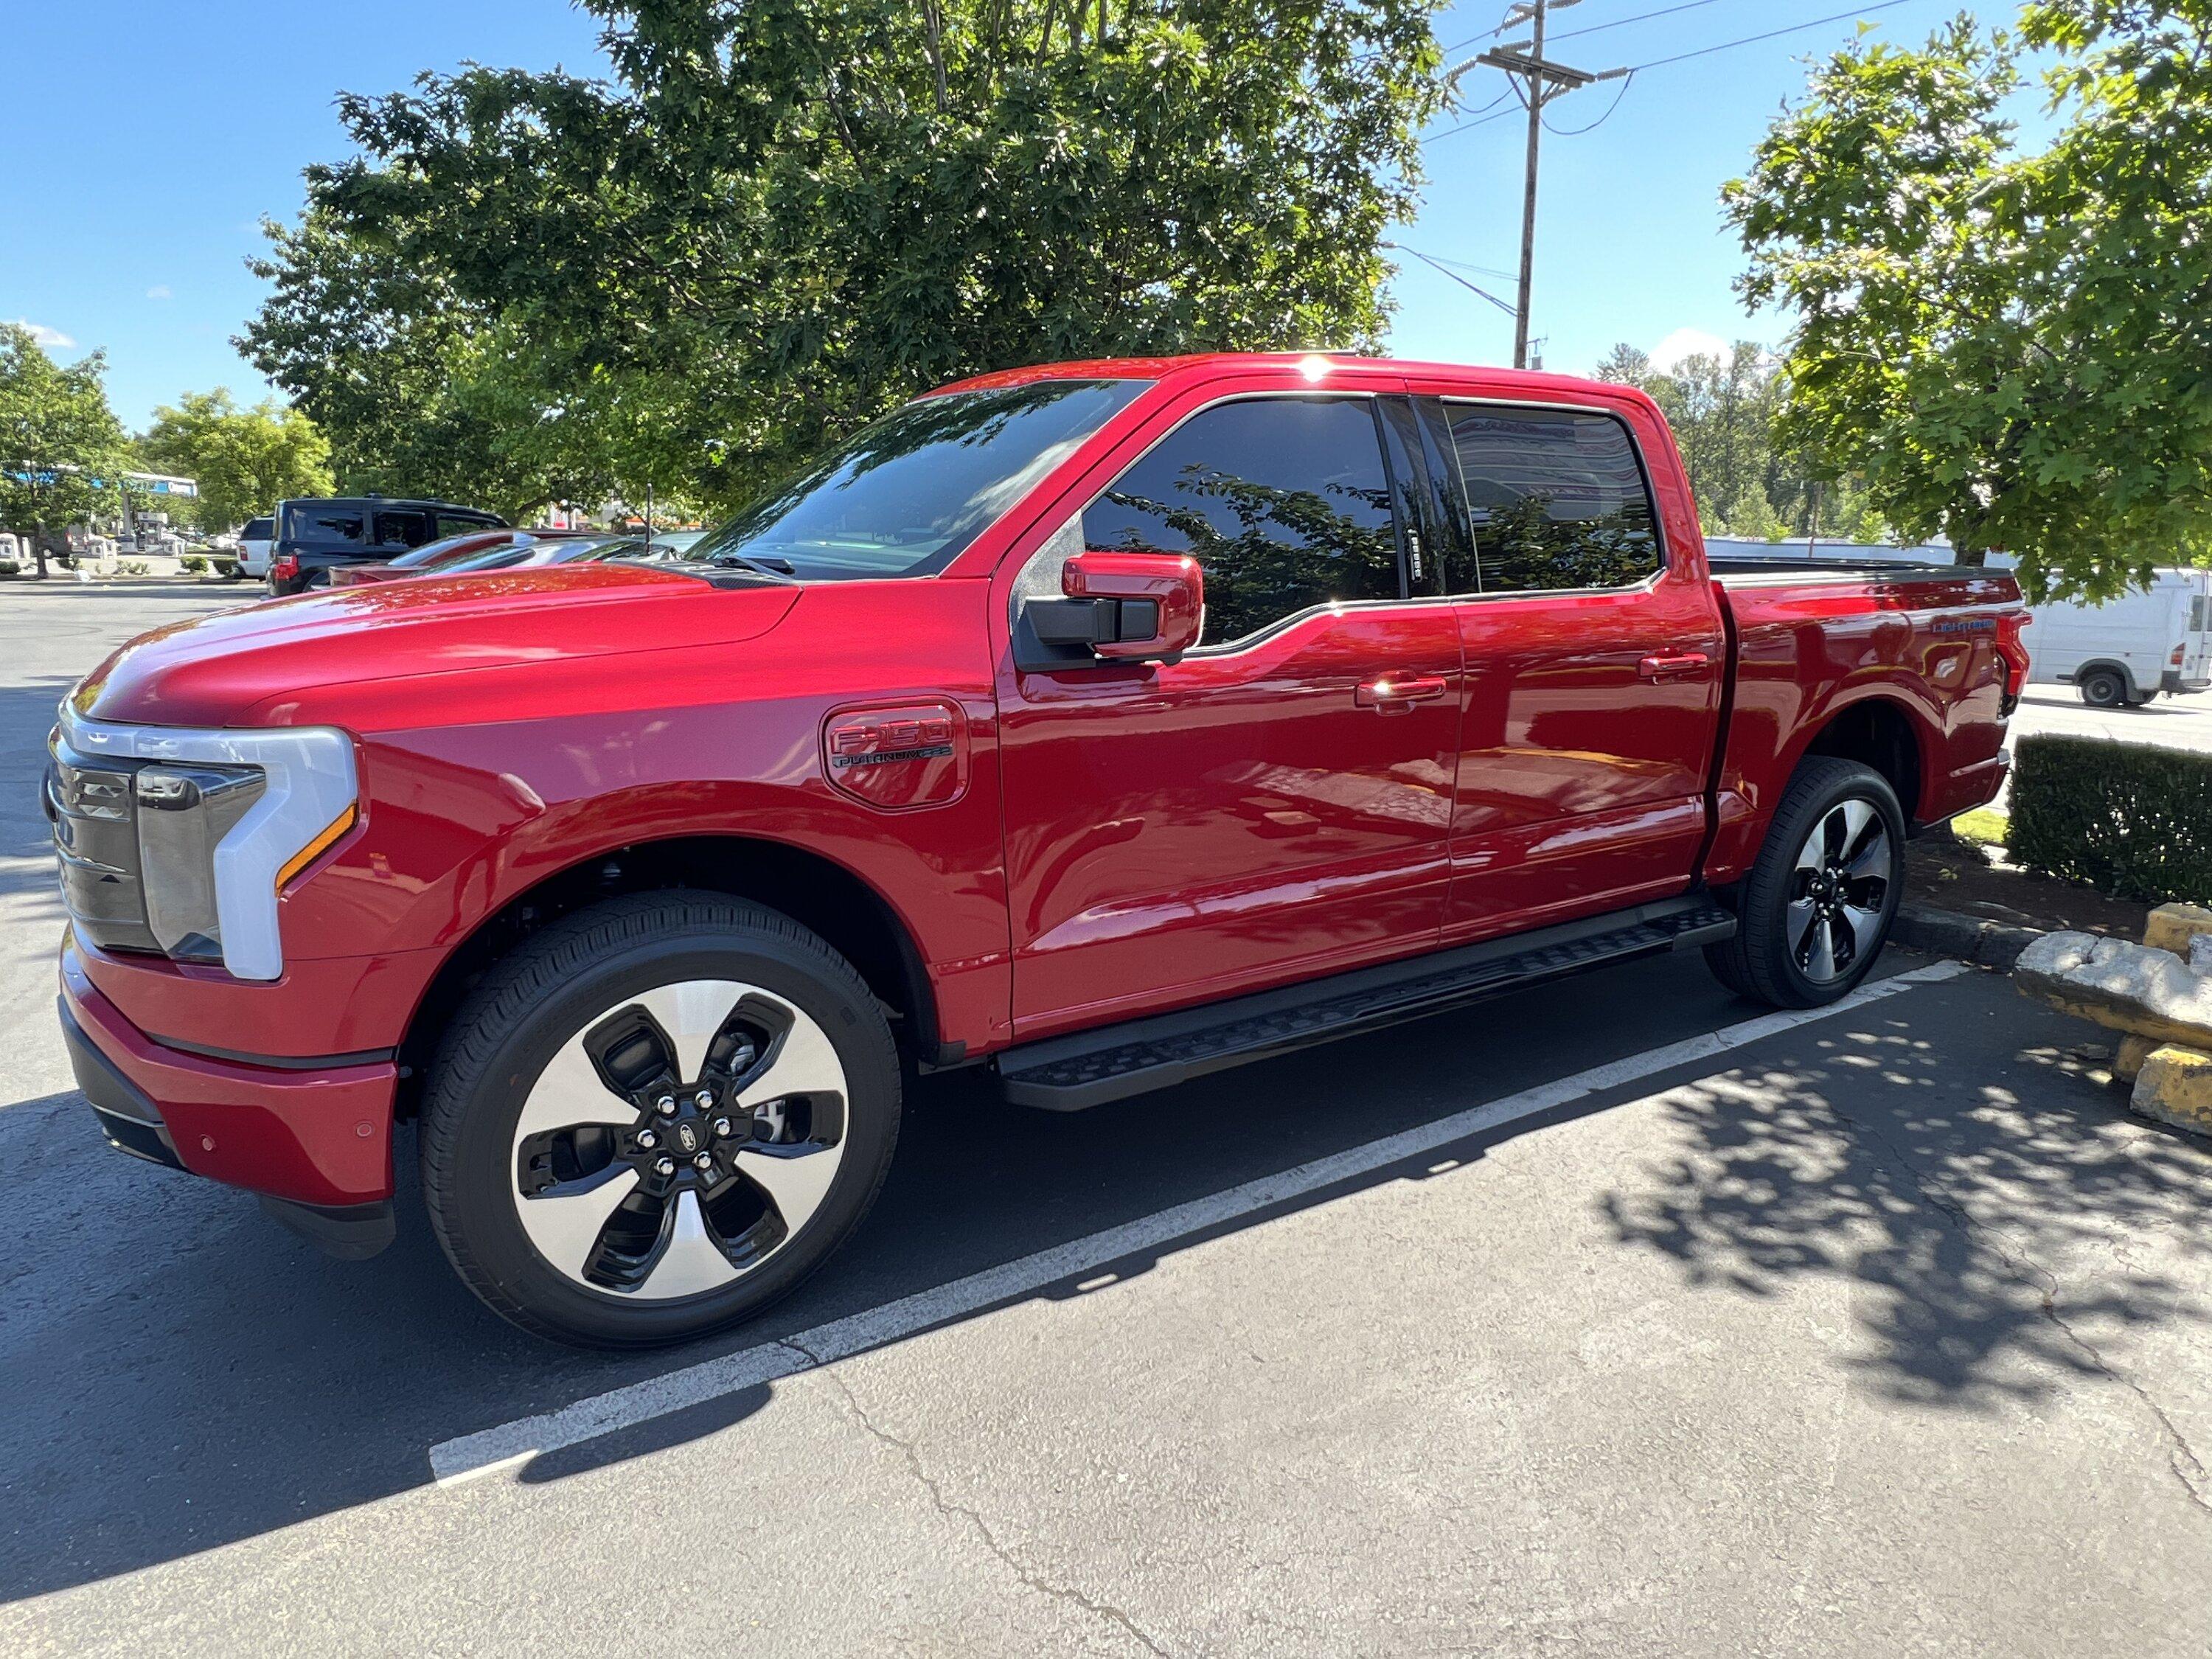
1122,607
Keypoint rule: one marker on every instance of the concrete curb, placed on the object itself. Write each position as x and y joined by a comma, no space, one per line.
1969,939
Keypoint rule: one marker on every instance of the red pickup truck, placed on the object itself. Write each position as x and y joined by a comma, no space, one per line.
1101,724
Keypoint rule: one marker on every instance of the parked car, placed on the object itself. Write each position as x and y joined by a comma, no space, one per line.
549,549
1099,726
2122,654
313,537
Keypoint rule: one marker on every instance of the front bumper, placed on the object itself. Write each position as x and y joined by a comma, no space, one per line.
314,1136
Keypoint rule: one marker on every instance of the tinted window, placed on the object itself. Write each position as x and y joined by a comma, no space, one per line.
455,525
2197,615
256,529
1282,501
403,529
907,493
318,523
1555,499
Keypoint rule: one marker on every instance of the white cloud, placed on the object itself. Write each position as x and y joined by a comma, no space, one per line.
53,338
158,291
1685,343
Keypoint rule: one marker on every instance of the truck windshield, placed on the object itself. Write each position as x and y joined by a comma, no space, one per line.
907,493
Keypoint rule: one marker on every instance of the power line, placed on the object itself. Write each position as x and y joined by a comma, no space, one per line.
1640,17
1679,58
1442,265
1752,39
1577,132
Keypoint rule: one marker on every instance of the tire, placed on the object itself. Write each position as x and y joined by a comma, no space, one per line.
1775,956
2104,688
553,1088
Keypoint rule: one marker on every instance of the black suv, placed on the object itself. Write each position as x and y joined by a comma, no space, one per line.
312,536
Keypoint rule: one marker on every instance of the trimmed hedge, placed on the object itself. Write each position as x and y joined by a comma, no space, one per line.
2127,820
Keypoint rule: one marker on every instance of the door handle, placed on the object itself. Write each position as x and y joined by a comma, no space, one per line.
1392,693
1680,665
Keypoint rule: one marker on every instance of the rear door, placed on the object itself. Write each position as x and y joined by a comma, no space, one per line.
1273,806
2197,647
1594,668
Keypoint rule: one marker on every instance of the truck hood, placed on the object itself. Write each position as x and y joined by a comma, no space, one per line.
218,670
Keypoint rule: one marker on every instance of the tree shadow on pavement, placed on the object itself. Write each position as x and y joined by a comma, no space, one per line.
1991,1227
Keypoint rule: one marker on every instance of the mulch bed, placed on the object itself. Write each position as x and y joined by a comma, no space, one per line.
1949,874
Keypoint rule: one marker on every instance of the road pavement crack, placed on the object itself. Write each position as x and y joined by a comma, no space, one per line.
2188,1468
946,1506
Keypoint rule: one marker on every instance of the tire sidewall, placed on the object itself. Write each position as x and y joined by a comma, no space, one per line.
482,1180
1862,783
2091,683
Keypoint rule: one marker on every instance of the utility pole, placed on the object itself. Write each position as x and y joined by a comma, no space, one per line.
1544,81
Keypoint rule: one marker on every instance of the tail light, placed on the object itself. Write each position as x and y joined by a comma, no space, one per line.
285,567
2174,661
2012,650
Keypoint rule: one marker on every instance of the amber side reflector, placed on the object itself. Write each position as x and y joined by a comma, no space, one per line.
315,849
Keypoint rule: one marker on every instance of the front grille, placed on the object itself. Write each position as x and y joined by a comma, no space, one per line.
90,803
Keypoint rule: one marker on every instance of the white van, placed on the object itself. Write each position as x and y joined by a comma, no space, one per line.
2124,652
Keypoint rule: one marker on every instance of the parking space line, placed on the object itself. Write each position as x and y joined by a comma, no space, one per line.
510,1443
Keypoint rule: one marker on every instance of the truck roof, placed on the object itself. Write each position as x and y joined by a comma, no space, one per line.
1315,365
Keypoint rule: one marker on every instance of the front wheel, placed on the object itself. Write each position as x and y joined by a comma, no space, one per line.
1816,908
656,1117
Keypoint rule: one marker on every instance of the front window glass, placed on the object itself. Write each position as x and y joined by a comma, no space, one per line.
1282,501
1555,498
907,493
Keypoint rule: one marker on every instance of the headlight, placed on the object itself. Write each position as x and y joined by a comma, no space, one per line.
183,813
181,841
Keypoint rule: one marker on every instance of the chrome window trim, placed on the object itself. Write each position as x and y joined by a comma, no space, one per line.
1644,470
312,782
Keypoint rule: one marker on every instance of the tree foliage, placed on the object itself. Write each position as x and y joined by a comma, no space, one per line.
1748,480
62,450
784,216
2014,349
244,460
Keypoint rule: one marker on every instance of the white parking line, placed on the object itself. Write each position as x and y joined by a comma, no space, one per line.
471,1454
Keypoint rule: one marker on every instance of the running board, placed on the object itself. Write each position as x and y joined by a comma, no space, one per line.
1067,1074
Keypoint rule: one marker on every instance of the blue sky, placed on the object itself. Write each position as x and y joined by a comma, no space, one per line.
143,142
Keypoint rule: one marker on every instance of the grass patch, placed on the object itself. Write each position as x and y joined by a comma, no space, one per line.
1983,826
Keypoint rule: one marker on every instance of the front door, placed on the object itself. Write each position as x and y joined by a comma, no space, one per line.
1273,804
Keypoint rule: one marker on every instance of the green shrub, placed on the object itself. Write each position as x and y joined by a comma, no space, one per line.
10,567
2129,820
131,567
195,563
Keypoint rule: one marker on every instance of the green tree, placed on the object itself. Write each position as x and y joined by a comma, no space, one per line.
245,460
2009,349
62,450
782,218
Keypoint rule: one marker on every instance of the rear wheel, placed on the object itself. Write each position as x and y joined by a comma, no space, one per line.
655,1118
2104,688
1816,908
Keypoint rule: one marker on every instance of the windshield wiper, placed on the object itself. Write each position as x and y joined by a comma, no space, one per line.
782,568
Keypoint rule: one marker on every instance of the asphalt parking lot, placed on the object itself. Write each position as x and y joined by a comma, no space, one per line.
1618,1317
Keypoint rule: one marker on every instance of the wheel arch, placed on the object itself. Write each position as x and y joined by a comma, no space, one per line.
817,892
2097,664
1877,731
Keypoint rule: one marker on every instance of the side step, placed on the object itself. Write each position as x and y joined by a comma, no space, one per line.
1067,1074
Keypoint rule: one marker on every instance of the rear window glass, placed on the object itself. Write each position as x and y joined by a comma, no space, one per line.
403,530
1555,498
256,529
313,523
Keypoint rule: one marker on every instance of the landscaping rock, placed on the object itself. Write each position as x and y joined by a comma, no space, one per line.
2124,987
2175,1087
2134,1050
2176,927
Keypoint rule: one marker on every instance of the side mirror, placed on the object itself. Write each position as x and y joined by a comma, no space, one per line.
1122,607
